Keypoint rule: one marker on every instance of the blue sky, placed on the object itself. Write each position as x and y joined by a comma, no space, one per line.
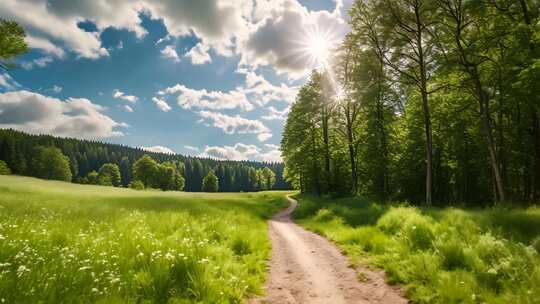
211,78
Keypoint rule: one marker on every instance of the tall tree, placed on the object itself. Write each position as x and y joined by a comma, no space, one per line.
210,182
50,163
145,169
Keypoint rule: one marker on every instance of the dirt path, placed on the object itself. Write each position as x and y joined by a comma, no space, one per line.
306,268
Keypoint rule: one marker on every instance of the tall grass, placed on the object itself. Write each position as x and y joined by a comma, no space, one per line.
66,243
440,255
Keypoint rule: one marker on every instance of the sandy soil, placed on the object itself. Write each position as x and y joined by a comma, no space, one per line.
306,268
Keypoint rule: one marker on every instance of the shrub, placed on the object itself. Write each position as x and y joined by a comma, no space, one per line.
407,222
324,215
4,169
136,185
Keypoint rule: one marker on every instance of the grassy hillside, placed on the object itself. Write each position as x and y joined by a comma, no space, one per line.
440,255
62,242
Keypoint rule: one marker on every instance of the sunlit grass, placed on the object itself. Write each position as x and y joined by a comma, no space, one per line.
61,242
445,255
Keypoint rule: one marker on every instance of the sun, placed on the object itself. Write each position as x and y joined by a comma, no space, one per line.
319,49
316,45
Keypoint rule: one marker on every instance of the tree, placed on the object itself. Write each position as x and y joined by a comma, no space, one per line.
50,163
92,178
210,182
269,178
4,169
12,42
145,169
109,174
136,185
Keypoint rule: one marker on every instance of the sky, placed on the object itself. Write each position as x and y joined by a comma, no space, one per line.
210,78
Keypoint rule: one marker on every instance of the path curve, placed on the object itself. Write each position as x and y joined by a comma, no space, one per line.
306,268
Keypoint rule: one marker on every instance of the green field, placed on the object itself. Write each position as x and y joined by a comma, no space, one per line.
445,255
62,242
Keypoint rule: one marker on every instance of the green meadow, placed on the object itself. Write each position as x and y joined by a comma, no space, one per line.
439,255
62,242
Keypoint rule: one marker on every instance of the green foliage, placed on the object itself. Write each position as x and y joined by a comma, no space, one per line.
136,185
50,163
109,174
73,243
92,178
210,182
4,169
441,255
447,87
145,169
12,42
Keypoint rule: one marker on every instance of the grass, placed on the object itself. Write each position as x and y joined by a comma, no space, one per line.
67,243
440,255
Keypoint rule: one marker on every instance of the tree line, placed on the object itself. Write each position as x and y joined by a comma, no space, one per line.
93,162
429,101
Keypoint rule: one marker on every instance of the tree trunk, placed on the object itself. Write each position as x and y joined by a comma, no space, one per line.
352,155
326,148
425,107
483,101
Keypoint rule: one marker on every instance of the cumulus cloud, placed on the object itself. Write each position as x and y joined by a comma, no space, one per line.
161,104
261,91
44,45
159,149
240,151
199,54
7,82
58,19
262,32
117,94
274,114
235,124
39,114
211,100
170,52
39,62
281,38
56,89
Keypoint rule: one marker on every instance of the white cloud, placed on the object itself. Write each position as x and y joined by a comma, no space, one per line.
274,114
261,91
161,104
281,37
159,149
39,62
199,54
39,114
264,136
57,89
236,124
261,32
211,100
58,20
170,52
45,45
240,151
117,94
127,108
7,82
